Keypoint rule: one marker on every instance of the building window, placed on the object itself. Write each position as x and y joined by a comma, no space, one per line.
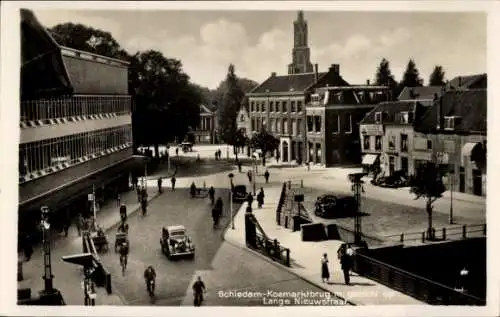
392,142
285,126
378,143
252,105
317,124
335,124
299,126
366,142
253,124
299,105
310,123
294,127
347,123
242,118
285,106
292,106
271,106
450,122
68,150
271,124
406,117
263,107
277,126
378,117
404,143
429,144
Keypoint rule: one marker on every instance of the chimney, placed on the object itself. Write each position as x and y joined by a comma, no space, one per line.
335,68
315,73
368,82
273,74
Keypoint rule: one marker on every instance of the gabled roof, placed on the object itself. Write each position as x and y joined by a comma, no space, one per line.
287,83
465,82
244,104
392,110
205,109
420,93
469,105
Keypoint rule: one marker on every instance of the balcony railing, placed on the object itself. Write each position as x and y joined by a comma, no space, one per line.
78,106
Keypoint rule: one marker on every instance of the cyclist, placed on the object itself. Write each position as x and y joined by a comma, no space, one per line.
198,290
123,256
123,227
150,277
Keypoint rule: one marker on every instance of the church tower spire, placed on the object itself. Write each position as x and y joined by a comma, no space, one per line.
301,55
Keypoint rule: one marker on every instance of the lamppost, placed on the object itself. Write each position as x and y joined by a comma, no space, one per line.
231,175
144,181
168,159
357,188
451,193
50,295
85,260
254,173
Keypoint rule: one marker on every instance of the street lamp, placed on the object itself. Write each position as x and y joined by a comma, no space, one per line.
86,260
254,172
168,158
231,175
451,193
51,295
357,188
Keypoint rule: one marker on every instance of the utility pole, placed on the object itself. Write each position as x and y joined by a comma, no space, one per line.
357,188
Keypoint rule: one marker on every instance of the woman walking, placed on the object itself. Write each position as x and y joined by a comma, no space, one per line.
325,273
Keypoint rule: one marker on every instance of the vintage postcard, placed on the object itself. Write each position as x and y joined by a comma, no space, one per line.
249,157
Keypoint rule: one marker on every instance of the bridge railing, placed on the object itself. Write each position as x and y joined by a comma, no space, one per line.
411,284
445,233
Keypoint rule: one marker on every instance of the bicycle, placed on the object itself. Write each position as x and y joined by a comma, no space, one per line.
151,289
123,263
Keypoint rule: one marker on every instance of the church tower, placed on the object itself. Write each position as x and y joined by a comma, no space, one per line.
301,54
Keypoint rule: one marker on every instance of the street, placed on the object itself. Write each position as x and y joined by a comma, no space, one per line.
223,267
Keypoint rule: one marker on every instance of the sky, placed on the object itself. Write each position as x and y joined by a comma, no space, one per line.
260,42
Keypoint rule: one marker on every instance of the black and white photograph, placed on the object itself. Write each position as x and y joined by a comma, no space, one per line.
206,155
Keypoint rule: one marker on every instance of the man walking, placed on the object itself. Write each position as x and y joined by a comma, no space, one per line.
266,176
249,199
159,185
172,180
346,265
249,175
239,166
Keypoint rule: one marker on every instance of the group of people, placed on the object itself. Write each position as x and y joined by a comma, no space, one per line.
345,255
218,154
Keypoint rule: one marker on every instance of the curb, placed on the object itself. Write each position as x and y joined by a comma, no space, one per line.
305,279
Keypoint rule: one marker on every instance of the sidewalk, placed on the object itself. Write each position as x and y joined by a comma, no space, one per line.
306,256
68,277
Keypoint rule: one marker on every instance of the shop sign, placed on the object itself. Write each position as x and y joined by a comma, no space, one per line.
372,129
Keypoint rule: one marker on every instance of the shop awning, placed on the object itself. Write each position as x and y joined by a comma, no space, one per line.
468,147
369,159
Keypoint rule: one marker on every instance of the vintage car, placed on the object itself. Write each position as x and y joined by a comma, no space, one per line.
239,193
176,243
332,206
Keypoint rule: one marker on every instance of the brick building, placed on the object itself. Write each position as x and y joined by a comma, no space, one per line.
206,130
386,135
456,126
332,124
75,126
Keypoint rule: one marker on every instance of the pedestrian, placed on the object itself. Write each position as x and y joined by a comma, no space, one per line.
325,272
215,216
249,175
220,154
135,180
79,224
118,198
266,176
177,151
346,264
211,194
172,180
138,189
219,205
159,185
249,199
239,166
260,198
193,189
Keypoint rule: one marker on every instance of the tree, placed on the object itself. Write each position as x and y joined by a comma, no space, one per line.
384,77
411,76
437,76
167,104
217,94
88,39
265,142
228,110
240,140
428,184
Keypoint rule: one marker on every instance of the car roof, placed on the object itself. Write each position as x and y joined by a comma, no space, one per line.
176,227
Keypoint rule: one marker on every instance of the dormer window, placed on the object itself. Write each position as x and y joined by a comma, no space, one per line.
450,122
378,117
406,117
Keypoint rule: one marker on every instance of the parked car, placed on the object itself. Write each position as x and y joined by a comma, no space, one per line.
329,206
175,242
186,147
239,193
396,180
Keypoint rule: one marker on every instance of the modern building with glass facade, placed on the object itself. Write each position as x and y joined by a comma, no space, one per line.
75,126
